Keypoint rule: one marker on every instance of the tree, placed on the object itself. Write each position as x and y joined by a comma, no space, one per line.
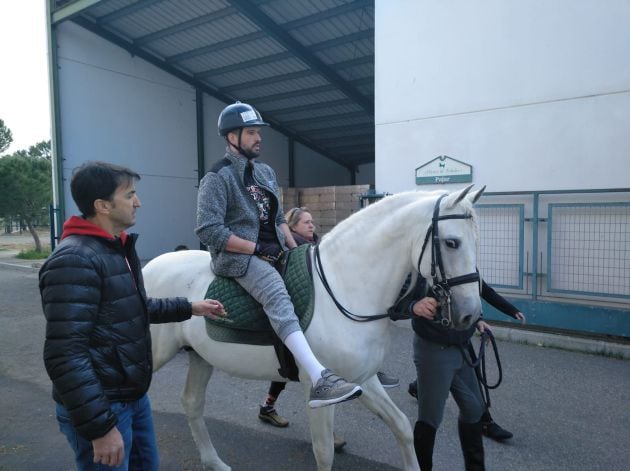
26,184
40,150
6,137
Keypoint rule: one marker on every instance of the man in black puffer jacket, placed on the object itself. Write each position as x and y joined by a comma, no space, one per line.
98,344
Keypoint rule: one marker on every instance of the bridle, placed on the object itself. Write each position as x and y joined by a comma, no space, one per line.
441,288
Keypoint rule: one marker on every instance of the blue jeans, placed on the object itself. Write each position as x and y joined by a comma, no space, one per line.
135,424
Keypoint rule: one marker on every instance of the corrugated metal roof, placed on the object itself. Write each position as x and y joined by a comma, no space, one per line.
306,65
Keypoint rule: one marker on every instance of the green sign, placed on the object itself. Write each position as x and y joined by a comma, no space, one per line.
443,169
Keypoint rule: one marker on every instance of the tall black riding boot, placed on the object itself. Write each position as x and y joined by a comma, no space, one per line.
423,441
472,445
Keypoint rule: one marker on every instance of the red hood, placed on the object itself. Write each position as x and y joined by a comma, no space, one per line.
79,226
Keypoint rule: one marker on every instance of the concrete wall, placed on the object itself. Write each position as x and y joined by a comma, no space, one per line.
365,175
118,108
534,95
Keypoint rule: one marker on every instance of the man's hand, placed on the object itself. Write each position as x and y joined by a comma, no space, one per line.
109,449
482,326
268,251
426,307
520,316
208,308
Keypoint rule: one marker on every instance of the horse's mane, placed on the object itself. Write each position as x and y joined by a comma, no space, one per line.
365,219
400,213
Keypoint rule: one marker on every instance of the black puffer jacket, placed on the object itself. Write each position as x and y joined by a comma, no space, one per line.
98,344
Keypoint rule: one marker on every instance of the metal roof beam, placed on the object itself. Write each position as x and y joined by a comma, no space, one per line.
200,20
328,118
329,13
334,141
266,81
216,47
73,9
192,23
158,62
361,161
367,33
353,62
346,148
309,91
128,10
264,22
342,131
285,77
219,14
312,106
329,123
244,65
288,54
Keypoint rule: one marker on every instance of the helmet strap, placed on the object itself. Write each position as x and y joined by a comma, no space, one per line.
238,146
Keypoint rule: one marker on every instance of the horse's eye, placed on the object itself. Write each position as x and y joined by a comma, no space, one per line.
452,243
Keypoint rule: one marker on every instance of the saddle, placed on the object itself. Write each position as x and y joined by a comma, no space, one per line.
247,323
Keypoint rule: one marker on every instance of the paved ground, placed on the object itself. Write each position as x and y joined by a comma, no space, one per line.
568,410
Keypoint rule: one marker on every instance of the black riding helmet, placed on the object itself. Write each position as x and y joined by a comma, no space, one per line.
238,115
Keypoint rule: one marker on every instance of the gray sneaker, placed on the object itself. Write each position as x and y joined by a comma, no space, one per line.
332,389
387,381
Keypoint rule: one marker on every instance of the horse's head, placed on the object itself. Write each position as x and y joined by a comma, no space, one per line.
448,258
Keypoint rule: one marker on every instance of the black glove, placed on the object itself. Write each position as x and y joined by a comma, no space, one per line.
269,251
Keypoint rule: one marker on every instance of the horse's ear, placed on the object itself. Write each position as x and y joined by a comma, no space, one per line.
454,198
473,197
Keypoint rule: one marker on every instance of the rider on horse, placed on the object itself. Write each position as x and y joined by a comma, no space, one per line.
239,218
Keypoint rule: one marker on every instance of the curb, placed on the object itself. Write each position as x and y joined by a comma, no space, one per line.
564,342
24,265
560,341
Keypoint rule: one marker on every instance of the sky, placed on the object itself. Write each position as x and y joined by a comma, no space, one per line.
24,98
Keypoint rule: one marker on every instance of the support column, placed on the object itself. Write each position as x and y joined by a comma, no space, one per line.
291,163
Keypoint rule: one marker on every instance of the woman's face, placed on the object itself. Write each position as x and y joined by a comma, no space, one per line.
305,226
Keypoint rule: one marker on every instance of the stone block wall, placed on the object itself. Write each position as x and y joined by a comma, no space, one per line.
327,204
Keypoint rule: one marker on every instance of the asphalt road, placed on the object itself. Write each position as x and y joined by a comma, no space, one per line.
567,410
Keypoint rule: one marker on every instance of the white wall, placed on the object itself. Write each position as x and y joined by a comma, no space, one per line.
534,95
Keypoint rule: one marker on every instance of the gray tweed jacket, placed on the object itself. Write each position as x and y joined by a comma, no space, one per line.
225,207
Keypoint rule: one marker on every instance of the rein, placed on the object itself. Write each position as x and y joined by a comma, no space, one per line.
478,362
322,276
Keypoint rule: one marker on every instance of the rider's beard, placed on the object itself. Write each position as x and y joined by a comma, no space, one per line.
250,153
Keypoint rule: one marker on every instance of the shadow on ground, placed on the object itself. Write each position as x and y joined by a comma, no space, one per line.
30,440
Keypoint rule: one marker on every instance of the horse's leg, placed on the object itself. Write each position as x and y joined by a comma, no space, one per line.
378,401
321,422
194,401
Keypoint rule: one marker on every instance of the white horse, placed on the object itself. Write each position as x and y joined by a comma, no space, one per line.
366,259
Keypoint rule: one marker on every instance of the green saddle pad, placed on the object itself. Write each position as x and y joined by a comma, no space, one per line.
246,321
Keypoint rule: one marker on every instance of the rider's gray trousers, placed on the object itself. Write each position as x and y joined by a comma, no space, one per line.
440,369
266,286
